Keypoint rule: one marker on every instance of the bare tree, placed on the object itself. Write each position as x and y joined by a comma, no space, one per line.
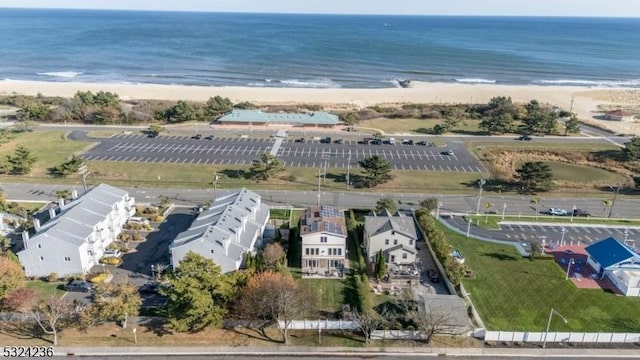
272,255
276,297
431,321
52,314
367,322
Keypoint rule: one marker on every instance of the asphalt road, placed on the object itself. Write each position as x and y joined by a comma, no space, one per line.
526,234
311,153
512,205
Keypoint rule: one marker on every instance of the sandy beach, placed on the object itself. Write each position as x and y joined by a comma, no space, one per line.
585,100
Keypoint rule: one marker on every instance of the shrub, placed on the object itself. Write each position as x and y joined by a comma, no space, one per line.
158,218
111,261
52,277
137,237
99,278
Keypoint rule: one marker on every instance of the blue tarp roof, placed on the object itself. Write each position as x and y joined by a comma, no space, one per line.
609,252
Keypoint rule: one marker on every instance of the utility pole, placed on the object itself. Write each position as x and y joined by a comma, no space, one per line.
348,169
319,179
614,199
84,172
481,183
215,183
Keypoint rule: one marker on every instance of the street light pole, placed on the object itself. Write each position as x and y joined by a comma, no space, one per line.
504,208
438,210
553,311
84,172
564,231
481,183
573,212
215,184
617,190
319,179
348,169
468,226
571,262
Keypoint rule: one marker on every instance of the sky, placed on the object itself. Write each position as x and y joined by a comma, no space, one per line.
598,8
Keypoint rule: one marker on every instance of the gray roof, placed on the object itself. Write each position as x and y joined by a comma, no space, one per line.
78,218
257,116
216,227
374,225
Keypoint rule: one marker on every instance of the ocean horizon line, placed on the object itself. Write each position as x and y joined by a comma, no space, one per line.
452,16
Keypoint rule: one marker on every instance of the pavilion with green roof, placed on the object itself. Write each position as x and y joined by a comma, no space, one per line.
257,117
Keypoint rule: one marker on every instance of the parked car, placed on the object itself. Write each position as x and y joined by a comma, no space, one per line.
338,141
558,212
152,135
364,142
581,213
447,152
112,253
392,141
433,275
377,142
423,143
326,140
78,286
525,138
210,137
299,140
407,142
197,136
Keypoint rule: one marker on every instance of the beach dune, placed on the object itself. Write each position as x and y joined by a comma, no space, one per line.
585,100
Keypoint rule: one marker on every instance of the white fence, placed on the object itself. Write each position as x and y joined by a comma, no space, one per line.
562,337
320,324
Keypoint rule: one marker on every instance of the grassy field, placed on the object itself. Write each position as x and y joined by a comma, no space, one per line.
536,145
514,294
45,289
50,147
493,221
330,293
583,174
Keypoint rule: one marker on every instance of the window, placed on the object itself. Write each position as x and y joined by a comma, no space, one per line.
317,251
339,251
395,241
306,251
404,256
410,241
90,253
41,258
67,259
386,241
39,246
213,251
323,239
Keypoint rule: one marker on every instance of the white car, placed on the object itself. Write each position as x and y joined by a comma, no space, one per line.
558,212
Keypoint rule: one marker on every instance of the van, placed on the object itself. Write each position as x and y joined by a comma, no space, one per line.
392,141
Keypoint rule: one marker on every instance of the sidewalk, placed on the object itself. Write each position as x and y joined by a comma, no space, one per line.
306,351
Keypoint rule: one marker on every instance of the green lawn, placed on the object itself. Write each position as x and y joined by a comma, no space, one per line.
45,289
583,174
493,221
281,214
331,293
50,147
513,293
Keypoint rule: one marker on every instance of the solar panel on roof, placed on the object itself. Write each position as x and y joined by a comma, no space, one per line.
328,211
332,228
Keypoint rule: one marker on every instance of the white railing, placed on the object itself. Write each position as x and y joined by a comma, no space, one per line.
320,324
562,337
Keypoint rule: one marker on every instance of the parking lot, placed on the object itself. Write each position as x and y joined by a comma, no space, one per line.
311,153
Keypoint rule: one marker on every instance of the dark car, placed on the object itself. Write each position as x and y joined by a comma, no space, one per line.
299,140
197,137
377,142
210,137
525,138
447,152
78,286
152,135
581,213
433,275
407,142
363,142
423,143
326,140
338,141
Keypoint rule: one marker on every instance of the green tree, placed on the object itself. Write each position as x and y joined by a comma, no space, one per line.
182,111
197,294
155,129
218,105
377,170
106,99
33,111
430,204
497,124
386,203
500,105
536,250
534,177
631,149
572,126
266,167
63,194
69,167
5,245
116,302
21,161
380,268
350,119
539,120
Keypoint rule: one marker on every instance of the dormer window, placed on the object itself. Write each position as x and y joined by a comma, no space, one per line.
213,251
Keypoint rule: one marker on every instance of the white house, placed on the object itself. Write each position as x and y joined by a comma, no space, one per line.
324,241
395,235
230,228
616,261
77,233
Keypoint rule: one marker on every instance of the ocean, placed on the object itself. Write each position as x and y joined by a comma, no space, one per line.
322,51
